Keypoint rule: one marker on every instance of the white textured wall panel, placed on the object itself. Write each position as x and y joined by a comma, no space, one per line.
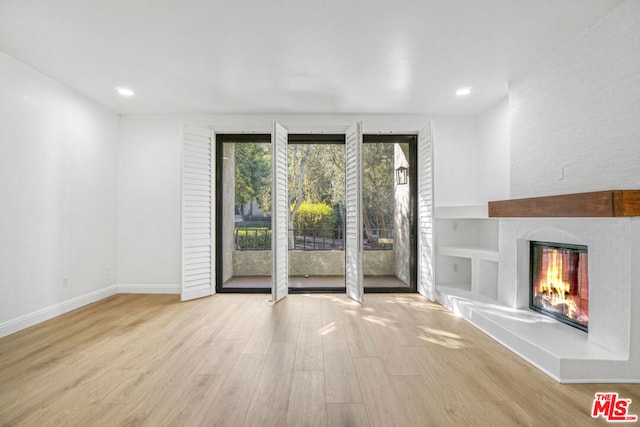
576,118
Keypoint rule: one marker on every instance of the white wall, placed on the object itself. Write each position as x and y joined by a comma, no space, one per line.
492,133
472,157
148,232
576,117
455,154
57,193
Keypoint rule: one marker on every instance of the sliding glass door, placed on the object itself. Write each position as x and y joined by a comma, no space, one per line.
316,190
389,212
243,205
345,206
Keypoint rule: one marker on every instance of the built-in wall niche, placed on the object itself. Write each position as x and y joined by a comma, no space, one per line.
468,232
453,271
467,250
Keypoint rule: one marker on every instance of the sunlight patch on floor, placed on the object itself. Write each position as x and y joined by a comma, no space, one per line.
327,329
441,338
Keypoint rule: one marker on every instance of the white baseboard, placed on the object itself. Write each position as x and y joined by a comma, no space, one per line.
30,319
148,289
14,325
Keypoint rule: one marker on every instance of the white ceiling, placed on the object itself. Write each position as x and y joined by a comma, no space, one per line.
332,56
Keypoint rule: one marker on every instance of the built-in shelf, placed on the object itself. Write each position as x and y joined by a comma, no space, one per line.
473,252
467,249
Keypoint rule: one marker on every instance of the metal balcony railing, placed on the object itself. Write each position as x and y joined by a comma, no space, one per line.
317,239
259,239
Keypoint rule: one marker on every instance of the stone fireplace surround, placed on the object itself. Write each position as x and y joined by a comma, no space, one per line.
610,351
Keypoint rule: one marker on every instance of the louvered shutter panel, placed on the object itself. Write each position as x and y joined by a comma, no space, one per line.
354,275
198,200
279,214
426,276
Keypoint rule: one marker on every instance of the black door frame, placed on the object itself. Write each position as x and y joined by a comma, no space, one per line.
318,138
222,139
412,140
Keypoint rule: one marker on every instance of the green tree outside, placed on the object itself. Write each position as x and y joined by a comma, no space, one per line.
316,184
253,174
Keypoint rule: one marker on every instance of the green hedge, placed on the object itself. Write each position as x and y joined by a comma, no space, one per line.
316,216
253,224
253,239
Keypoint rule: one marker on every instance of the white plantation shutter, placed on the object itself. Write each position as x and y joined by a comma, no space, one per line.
354,279
198,199
426,276
279,214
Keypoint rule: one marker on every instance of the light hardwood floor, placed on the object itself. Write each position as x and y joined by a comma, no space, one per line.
236,359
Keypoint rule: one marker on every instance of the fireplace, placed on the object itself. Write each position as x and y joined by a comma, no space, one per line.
559,285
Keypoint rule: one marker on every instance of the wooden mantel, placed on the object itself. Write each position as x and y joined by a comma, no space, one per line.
612,203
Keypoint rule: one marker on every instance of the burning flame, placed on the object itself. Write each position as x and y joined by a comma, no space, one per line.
555,290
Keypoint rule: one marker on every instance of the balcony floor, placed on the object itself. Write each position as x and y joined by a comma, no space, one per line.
314,282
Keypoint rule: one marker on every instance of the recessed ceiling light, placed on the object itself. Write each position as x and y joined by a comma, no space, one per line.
463,91
124,91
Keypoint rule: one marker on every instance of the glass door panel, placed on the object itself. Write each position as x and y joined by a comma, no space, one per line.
316,221
388,213
244,212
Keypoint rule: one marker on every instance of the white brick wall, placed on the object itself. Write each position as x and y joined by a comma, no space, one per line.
575,120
